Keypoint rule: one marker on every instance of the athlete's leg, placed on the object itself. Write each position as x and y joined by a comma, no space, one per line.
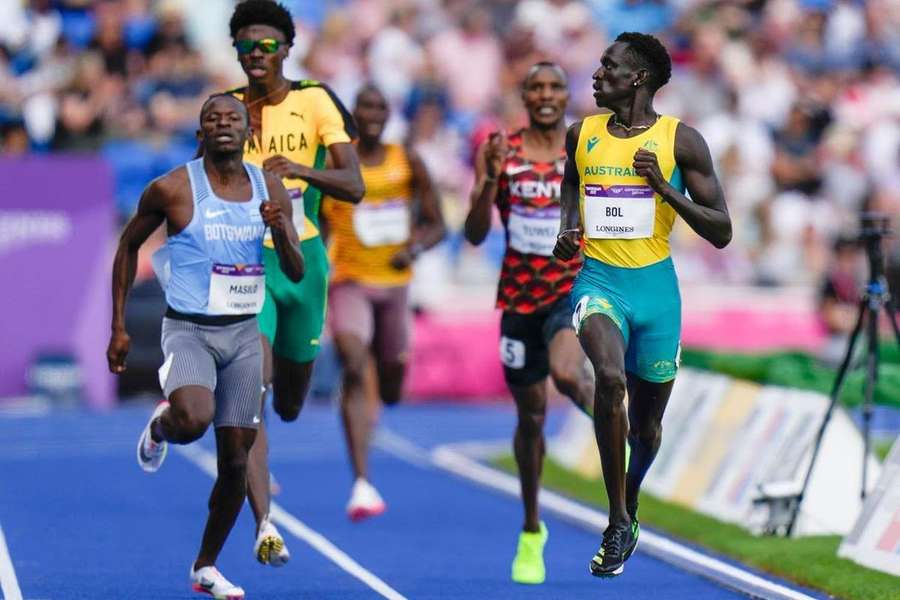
354,356
567,369
391,342
604,345
225,502
190,412
258,492
529,446
290,383
646,405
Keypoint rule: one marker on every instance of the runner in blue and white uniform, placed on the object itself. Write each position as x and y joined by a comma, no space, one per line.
216,210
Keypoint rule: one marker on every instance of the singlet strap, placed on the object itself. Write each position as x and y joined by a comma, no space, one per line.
199,182
258,182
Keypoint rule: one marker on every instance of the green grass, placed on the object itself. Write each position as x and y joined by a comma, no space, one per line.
810,561
801,370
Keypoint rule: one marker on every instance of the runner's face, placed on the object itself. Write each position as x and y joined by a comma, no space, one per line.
545,96
223,125
614,78
260,66
371,113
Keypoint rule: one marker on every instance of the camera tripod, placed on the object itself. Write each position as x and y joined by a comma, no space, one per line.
875,299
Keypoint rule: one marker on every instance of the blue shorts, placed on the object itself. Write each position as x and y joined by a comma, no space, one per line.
646,306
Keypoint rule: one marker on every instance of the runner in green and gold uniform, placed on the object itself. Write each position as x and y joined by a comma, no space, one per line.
625,181
297,126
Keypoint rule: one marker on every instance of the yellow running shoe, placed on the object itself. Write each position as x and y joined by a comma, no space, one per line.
528,565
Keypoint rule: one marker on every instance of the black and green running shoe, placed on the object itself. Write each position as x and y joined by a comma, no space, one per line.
635,533
610,558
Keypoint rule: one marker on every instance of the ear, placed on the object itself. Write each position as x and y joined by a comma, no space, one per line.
641,78
199,135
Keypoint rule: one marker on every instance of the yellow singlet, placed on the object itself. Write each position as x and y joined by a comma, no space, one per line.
364,237
626,224
300,128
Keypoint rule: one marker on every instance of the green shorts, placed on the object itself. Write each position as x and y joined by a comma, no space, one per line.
644,303
294,313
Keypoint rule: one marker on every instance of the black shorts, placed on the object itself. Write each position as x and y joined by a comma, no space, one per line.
525,342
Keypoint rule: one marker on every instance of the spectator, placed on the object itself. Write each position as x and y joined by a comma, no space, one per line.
839,297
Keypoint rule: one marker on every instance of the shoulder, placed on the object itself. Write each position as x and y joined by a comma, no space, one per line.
166,190
238,92
572,135
689,143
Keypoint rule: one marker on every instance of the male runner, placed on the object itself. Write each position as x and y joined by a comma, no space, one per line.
372,246
216,209
297,125
521,173
625,180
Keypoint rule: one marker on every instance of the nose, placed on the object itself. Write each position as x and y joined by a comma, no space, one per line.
598,74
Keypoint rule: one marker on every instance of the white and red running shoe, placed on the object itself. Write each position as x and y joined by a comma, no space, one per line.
150,454
365,501
208,580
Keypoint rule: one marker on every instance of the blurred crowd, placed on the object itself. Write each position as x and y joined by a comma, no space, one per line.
798,99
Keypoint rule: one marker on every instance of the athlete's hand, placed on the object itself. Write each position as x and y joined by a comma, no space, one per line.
272,215
119,343
284,168
402,259
495,153
646,165
567,245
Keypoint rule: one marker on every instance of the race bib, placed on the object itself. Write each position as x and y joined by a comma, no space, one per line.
533,230
383,224
619,212
512,353
236,289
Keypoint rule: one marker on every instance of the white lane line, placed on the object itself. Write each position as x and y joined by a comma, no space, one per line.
9,585
207,462
451,459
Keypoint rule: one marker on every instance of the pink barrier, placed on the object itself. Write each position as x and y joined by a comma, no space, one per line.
456,354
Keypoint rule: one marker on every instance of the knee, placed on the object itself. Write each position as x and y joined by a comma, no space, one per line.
610,388
567,377
234,466
190,427
287,406
531,422
647,435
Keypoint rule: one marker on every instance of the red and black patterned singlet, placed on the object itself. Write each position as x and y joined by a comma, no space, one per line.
531,278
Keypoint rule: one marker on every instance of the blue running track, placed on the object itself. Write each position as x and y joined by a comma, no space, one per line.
81,520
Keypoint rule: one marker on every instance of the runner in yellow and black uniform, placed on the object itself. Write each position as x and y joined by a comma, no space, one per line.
625,181
372,246
296,127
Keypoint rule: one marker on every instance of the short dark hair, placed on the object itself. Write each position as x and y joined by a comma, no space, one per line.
262,12
650,54
544,64
224,95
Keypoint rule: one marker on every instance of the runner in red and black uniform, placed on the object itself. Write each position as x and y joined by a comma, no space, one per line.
521,174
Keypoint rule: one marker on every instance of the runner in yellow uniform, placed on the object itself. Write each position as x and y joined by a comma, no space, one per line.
297,125
625,181
372,246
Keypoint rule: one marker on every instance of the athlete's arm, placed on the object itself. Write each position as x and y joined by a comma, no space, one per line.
568,242
277,214
343,181
151,212
488,162
428,228
705,211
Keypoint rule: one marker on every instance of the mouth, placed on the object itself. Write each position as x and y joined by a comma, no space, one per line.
256,70
547,111
224,138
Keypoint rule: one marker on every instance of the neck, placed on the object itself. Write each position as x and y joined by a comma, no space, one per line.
223,166
268,89
547,136
634,111
368,146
